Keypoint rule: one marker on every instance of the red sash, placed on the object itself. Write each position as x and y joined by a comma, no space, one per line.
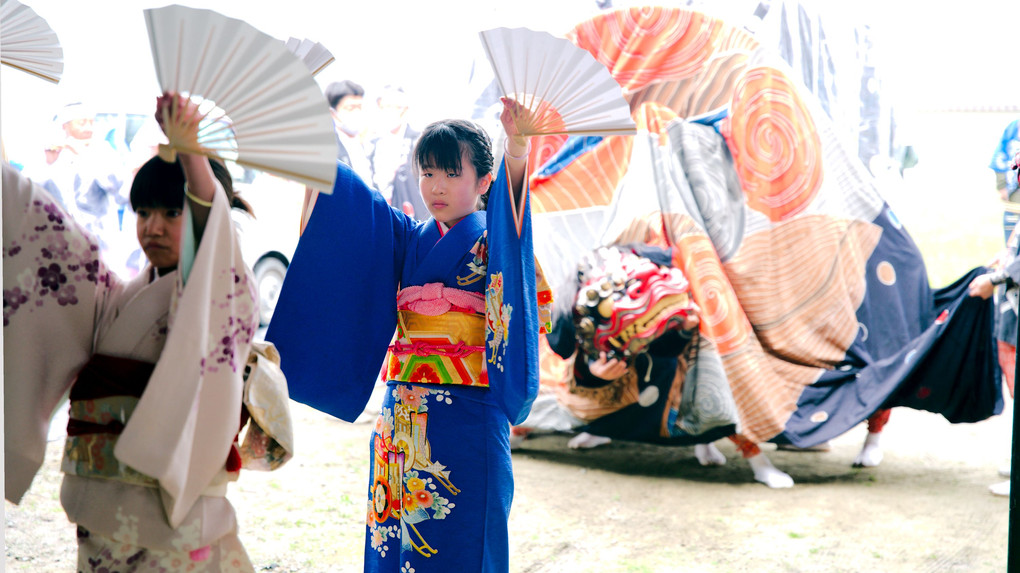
104,376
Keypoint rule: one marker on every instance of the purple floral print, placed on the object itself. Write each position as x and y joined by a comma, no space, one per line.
57,259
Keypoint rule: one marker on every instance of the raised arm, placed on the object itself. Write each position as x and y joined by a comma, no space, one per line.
515,153
201,183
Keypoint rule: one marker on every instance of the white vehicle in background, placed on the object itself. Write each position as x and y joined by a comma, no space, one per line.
269,238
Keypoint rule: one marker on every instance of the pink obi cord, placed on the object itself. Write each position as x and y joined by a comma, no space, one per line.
201,554
434,299
459,350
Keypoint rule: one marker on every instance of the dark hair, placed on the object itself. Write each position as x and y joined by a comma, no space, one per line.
442,143
337,91
161,184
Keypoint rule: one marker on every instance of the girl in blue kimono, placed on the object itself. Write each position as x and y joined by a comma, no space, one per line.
459,290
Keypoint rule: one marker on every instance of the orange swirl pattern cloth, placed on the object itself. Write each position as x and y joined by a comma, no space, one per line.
779,301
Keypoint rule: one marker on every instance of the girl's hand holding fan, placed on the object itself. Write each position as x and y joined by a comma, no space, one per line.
179,119
562,86
513,115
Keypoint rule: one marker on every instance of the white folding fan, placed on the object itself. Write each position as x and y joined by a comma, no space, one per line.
260,107
28,43
564,87
313,55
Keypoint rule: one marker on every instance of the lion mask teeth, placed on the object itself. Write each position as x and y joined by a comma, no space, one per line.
626,302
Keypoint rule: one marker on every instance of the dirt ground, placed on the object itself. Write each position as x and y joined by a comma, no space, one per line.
631,507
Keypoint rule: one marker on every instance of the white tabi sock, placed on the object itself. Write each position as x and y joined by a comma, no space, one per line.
871,453
709,455
1000,489
767,473
584,440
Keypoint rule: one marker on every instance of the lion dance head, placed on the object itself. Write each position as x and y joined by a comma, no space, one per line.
626,302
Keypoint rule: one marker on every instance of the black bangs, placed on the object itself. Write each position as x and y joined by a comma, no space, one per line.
439,148
158,184
445,144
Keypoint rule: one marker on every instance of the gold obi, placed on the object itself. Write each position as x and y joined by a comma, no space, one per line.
90,454
103,398
445,349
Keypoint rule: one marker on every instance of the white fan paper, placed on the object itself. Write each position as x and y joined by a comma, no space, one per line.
566,89
261,107
28,43
314,55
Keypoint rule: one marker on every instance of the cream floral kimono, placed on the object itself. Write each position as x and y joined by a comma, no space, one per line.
156,481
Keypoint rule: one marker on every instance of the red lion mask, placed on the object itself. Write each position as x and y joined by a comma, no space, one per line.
626,302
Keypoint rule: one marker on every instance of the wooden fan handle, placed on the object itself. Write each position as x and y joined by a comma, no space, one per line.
167,153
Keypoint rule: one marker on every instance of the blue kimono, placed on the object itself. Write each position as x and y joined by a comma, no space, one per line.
462,367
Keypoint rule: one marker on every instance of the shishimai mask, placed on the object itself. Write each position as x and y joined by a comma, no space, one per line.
626,302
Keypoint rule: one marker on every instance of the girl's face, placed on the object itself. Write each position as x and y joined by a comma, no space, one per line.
159,234
452,196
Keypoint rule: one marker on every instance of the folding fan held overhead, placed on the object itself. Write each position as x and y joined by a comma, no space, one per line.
260,107
566,90
28,43
313,55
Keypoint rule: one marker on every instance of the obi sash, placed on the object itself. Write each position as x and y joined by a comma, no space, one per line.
440,337
102,400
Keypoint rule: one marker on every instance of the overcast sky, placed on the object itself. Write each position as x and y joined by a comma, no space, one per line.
966,54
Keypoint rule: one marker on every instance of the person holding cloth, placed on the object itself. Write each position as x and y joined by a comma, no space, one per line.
460,290
1002,282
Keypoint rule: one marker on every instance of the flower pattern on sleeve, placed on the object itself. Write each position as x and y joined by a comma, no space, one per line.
63,261
239,328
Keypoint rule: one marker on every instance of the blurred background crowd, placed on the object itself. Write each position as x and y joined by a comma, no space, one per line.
84,138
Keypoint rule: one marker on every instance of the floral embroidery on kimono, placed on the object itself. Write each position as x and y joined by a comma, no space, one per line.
409,486
497,320
64,262
479,263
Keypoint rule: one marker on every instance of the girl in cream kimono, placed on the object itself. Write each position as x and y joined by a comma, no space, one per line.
153,367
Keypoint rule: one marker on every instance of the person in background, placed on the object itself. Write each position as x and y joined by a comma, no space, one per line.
1003,284
87,174
1009,191
346,101
1005,150
87,170
391,154
346,106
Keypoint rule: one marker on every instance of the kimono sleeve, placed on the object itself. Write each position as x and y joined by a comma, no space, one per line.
269,440
336,313
54,281
512,316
